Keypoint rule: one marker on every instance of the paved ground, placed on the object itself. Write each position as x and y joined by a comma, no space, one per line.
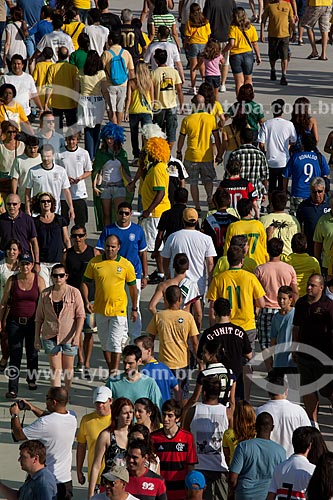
306,78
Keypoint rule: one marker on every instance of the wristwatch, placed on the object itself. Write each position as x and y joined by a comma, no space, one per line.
14,416
134,309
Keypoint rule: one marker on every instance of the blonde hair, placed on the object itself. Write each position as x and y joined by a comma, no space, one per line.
240,19
143,79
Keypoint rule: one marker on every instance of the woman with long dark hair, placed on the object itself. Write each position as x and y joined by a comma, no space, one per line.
23,290
303,122
112,442
162,17
320,486
16,33
139,431
79,56
148,414
10,147
91,106
243,40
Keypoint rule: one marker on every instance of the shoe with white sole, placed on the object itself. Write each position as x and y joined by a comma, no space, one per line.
223,88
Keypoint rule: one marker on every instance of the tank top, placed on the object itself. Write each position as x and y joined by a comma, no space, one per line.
208,426
25,300
76,264
114,455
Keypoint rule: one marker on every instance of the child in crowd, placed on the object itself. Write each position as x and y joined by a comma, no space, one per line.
212,60
281,331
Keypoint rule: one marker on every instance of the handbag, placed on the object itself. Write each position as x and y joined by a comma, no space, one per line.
22,35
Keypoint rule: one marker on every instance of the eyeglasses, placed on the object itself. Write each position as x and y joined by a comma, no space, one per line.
9,204
45,201
121,212
318,191
58,275
78,235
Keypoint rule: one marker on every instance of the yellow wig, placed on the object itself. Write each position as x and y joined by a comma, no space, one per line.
158,149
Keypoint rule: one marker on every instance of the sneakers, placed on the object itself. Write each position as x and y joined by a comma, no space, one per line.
273,75
223,88
79,367
154,278
193,91
283,80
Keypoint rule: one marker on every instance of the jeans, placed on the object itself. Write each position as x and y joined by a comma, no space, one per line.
17,334
2,29
91,140
134,120
30,44
70,114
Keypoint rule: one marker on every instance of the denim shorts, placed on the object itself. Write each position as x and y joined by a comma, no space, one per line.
52,348
215,81
112,192
194,49
242,63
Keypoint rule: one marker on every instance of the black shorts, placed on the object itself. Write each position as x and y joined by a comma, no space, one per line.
278,48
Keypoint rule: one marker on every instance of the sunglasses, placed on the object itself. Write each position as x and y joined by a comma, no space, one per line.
121,212
58,275
11,132
78,235
45,201
9,204
111,483
318,191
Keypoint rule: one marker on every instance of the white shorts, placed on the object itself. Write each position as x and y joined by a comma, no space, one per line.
112,332
149,227
118,97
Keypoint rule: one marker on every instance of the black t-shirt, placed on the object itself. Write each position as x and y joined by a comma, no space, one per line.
315,322
234,340
172,220
219,15
216,226
131,38
50,238
76,264
111,21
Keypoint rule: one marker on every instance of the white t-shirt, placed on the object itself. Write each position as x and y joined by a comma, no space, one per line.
25,88
56,39
98,37
17,44
297,472
111,171
57,432
277,134
20,169
287,417
197,246
51,181
171,48
75,163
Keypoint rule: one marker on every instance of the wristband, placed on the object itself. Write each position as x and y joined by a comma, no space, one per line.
38,263
14,416
145,277
134,309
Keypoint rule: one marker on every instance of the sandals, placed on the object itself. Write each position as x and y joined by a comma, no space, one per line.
11,395
322,58
313,56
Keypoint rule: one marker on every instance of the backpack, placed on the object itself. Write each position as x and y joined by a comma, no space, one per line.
118,69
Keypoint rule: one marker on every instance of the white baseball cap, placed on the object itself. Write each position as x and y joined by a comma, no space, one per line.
102,394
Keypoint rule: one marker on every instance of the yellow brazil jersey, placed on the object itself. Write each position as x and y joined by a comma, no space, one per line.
39,76
197,34
198,128
256,236
74,29
241,43
110,277
90,428
223,265
324,234
241,288
157,179
304,266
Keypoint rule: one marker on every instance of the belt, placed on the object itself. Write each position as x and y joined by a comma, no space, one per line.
117,184
21,320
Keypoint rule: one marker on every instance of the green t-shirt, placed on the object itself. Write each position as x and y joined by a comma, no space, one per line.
254,113
78,58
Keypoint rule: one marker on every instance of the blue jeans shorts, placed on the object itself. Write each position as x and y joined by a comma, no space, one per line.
242,63
52,348
194,49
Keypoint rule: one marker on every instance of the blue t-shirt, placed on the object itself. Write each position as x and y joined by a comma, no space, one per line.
132,241
41,486
281,331
303,167
163,377
40,29
145,387
255,460
31,10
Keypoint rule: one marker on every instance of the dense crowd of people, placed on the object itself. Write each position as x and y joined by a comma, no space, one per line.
179,425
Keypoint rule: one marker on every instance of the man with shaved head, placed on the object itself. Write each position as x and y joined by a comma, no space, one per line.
313,327
15,224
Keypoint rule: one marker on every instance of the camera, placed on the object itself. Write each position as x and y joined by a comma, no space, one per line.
21,404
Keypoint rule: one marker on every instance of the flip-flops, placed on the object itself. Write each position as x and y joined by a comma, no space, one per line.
313,56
